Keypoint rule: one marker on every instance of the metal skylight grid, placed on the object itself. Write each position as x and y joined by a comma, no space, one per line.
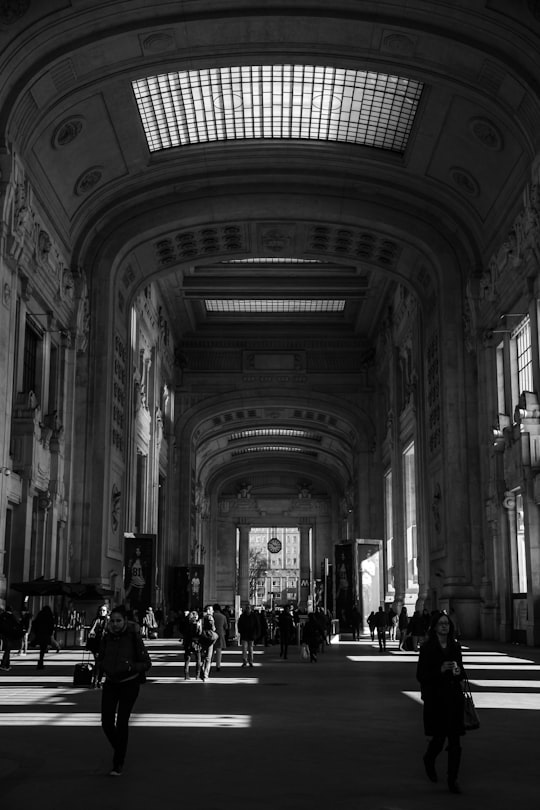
274,448
271,260
275,433
272,306
277,101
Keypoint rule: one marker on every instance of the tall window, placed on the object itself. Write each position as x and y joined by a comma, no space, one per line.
501,393
389,532
54,399
31,343
519,554
523,354
409,483
514,358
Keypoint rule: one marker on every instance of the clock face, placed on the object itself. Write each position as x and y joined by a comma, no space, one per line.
274,545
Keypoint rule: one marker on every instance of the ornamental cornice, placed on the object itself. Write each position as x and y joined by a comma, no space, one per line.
520,251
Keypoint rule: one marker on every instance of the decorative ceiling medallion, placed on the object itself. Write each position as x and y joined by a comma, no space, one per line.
13,10
487,133
276,240
158,43
399,43
465,181
67,131
88,180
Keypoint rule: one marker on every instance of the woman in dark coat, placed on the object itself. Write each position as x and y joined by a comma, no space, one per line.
123,660
440,673
43,630
95,634
312,636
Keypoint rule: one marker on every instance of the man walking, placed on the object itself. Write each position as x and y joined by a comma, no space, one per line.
380,624
248,627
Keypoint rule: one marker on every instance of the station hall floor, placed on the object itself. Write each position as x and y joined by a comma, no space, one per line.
344,732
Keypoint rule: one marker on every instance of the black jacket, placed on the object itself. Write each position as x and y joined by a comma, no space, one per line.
123,656
442,693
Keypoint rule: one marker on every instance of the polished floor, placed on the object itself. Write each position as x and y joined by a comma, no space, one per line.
344,732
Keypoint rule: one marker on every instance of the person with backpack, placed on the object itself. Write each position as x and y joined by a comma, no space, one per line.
11,632
123,661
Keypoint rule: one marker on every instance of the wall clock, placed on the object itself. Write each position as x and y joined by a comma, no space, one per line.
274,545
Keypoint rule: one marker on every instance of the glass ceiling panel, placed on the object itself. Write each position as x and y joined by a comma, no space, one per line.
275,432
263,306
274,448
272,260
277,101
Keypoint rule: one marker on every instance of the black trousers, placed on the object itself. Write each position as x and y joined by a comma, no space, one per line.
435,747
117,701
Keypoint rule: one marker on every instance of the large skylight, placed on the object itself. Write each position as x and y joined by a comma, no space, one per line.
289,433
272,260
274,448
275,306
277,101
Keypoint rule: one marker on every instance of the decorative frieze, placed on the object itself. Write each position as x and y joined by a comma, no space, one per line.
520,249
200,242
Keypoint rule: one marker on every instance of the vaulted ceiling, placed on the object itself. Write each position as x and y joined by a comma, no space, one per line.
275,168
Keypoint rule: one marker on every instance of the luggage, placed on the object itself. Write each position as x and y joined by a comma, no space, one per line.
83,673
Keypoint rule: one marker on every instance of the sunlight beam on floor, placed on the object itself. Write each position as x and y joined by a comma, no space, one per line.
80,719
496,700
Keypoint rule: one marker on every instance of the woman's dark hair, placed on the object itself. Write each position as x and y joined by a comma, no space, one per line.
435,617
120,609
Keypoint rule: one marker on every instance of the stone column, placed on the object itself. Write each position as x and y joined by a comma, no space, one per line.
305,567
243,565
38,561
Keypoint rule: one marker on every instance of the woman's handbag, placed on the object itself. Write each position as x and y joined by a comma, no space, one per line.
208,637
304,652
471,721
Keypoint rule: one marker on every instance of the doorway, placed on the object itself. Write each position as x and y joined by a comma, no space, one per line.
274,566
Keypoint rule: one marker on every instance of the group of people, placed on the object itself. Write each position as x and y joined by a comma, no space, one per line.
122,661
410,632
19,630
440,673
201,636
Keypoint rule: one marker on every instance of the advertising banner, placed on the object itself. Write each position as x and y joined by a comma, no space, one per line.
343,567
188,590
139,572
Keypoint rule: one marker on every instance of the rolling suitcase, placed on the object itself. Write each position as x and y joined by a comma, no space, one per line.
83,672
